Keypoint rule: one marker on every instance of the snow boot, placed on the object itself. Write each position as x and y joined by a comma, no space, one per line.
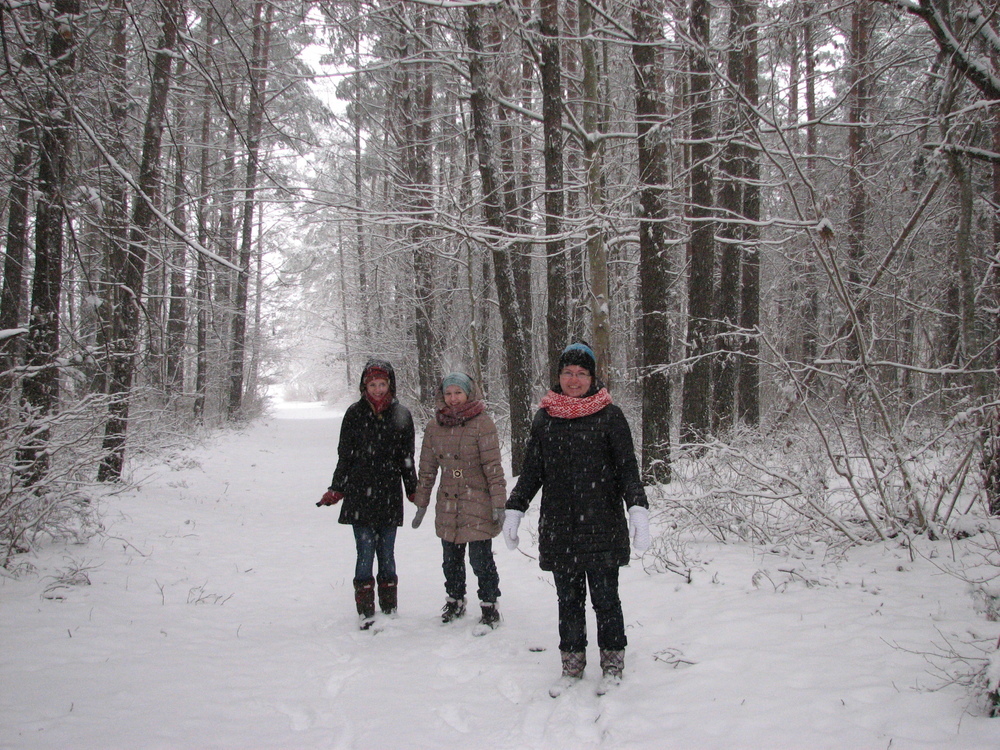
387,595
364,598
452,610
612,666
490,619
573,664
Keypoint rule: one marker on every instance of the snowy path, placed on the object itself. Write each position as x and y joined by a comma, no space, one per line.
220,615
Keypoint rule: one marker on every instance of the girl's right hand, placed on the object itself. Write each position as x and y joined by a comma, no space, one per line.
330,498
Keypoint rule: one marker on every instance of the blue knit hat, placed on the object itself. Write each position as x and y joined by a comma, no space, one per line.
580,354
460,379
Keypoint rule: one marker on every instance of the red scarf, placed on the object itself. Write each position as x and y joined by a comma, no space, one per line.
567,407
379,405
454,416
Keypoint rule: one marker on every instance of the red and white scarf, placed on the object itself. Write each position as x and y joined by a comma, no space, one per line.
567,407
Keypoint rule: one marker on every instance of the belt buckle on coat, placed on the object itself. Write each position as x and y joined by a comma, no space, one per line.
456,473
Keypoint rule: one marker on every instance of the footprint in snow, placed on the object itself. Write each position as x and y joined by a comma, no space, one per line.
452,716
299,718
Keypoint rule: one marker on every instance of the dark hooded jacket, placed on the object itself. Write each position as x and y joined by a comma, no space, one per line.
588,474
375,459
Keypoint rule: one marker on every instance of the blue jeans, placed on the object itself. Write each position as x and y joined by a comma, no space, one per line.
571,589
481,557
371,543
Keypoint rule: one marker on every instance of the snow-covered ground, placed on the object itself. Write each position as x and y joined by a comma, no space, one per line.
219,614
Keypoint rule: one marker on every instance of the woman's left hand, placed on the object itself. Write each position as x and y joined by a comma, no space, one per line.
638,528
512,519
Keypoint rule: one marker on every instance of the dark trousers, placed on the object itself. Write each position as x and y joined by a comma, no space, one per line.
372,543
571,588
481,558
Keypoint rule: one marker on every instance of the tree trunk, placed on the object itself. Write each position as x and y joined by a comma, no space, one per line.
516,351
508,174
12,302
748,385
732,165
13,305
810,329
128,267
655,272
177,305
418,152
202,281
255,121
857,195
965,347
597,255
556,267
696,405
995,266
359,227
40,390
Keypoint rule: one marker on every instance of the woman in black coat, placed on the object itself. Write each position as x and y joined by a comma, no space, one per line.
374,467
581,455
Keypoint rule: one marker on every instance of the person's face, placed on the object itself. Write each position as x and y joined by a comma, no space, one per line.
454,396
574,380
377,388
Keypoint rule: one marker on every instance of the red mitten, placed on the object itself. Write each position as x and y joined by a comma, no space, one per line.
410,497
330,498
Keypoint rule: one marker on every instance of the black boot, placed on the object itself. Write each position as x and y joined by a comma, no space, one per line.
387,595
364,598
490,619
491,615
452,610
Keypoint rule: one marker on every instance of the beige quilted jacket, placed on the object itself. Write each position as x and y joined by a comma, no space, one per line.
472,481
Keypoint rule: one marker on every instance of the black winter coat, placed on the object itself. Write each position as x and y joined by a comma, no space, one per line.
588,474
375,464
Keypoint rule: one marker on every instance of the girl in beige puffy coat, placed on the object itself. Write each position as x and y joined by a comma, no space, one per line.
462,442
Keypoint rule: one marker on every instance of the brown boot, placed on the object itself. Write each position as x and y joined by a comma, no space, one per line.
387,596
364,598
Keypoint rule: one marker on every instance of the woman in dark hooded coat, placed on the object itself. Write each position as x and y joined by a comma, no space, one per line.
580,454
374,468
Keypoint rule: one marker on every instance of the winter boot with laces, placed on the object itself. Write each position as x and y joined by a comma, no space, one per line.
612,666
452,610
573,664
490,619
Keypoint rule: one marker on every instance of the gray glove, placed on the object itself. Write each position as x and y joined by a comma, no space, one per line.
418,517
498,515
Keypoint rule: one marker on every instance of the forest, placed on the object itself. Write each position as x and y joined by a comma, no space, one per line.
775,222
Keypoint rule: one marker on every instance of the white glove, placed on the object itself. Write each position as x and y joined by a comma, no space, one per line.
511,520
638,528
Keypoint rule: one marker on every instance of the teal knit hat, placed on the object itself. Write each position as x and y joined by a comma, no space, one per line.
460,379
579,353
